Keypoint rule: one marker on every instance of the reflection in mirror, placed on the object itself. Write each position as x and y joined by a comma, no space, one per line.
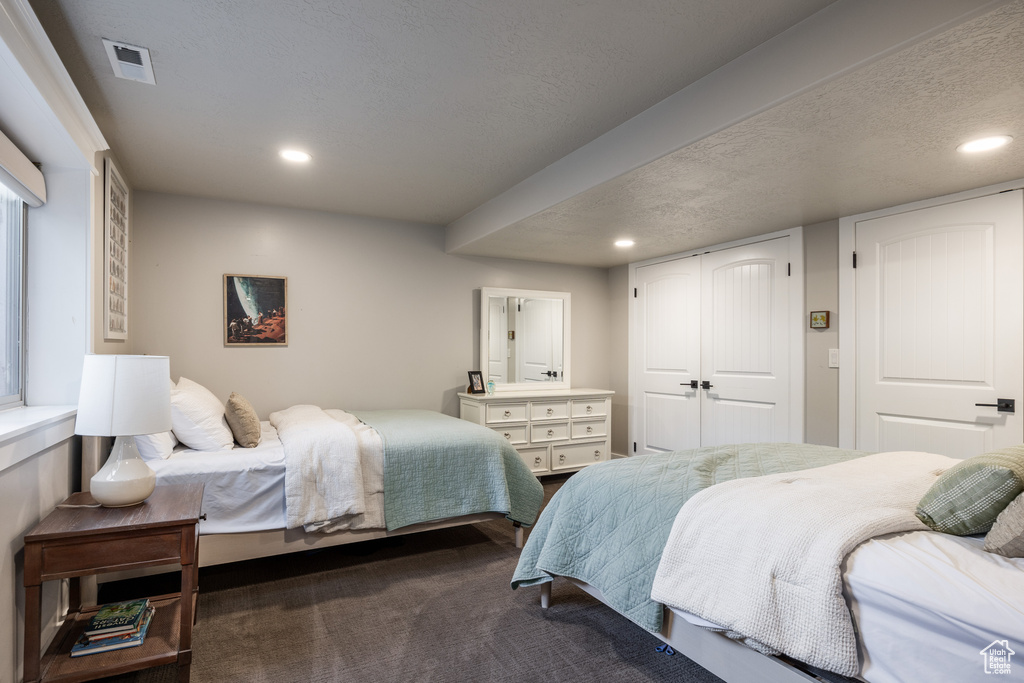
524,338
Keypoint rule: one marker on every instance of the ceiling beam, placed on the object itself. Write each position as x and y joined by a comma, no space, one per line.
838,40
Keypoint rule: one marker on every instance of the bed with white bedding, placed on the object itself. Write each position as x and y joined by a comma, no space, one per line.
923,604
311,477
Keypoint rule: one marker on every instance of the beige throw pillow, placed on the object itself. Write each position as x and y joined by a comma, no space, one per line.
1007,534
244,422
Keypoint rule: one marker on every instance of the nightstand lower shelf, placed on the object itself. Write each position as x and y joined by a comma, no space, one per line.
159,647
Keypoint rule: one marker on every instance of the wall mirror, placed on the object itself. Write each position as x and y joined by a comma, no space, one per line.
524,339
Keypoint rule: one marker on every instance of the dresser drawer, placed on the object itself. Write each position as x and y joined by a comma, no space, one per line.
549,410
549,431
578,455
506,412
514,434
535,458
595,408
585,429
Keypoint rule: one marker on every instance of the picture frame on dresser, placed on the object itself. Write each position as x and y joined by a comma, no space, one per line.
476,382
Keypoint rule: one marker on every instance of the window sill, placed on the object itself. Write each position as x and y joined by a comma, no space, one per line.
28,430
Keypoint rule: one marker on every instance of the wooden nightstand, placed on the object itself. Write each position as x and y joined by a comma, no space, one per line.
74,542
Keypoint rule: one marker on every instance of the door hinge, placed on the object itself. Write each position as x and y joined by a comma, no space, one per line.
854,259
634,446
789,270
634,292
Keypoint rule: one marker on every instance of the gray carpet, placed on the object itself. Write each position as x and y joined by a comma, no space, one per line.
434,606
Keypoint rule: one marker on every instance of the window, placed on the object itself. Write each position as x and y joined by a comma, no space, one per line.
12,232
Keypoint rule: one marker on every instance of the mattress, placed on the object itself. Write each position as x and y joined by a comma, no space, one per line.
926,605
244,487
928,602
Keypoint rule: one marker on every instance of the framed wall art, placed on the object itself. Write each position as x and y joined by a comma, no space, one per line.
819,320
115,252
255,310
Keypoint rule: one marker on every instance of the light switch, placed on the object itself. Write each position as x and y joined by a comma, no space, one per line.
833,358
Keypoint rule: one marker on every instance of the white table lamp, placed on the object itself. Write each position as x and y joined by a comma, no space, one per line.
123,396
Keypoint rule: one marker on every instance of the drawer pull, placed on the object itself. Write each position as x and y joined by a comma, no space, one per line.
590,430
508,436
551,432
561,458
597,455
551,411
508,413
590,409
536,461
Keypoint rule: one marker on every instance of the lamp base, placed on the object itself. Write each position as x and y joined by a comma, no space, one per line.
125,479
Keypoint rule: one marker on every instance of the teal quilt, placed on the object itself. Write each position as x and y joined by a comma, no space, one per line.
608,524
438,466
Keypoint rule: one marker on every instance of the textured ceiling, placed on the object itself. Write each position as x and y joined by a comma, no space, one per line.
881,136
419,111
433,110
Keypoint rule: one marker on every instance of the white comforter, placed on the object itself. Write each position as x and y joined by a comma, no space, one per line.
334,475
762,556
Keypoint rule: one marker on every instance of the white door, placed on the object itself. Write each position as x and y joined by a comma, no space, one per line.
540,340
497,340
939,327
668,343
745,349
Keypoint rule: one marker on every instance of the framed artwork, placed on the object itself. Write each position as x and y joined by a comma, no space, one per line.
476,382
819,320
255,310
115,253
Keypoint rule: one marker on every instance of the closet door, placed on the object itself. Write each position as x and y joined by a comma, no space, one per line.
667,329
745,357
939,327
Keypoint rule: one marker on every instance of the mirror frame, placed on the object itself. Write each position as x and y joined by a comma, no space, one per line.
485,294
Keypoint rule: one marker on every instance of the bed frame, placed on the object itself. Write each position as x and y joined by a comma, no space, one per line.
223,548
730,660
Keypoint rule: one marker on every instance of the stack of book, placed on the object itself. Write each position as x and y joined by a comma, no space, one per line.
115,626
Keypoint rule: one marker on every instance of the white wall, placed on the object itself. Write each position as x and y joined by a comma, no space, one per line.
378,315
821,265
29,490
618,335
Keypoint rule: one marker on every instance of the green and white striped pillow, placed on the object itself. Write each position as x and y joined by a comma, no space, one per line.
969,496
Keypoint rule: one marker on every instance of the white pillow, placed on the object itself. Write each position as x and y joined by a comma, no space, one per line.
197,417
156,446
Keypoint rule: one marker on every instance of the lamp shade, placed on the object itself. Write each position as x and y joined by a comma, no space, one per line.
124,395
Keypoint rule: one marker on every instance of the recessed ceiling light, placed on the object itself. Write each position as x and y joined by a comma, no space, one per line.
295,155
624,243
985,144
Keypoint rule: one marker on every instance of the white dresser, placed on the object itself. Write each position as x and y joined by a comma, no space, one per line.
553,431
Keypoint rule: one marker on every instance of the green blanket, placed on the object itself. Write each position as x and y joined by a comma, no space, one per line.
608,524
437,466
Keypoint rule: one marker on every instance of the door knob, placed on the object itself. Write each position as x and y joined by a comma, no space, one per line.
705,385
1002,405
693,384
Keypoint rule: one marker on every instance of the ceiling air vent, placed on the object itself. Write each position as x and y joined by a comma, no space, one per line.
130,61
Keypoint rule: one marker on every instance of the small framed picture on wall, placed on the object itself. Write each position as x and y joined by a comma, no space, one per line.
255,310
819,320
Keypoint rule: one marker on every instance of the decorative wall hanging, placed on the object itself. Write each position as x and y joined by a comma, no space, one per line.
819,319
115,251
255,310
